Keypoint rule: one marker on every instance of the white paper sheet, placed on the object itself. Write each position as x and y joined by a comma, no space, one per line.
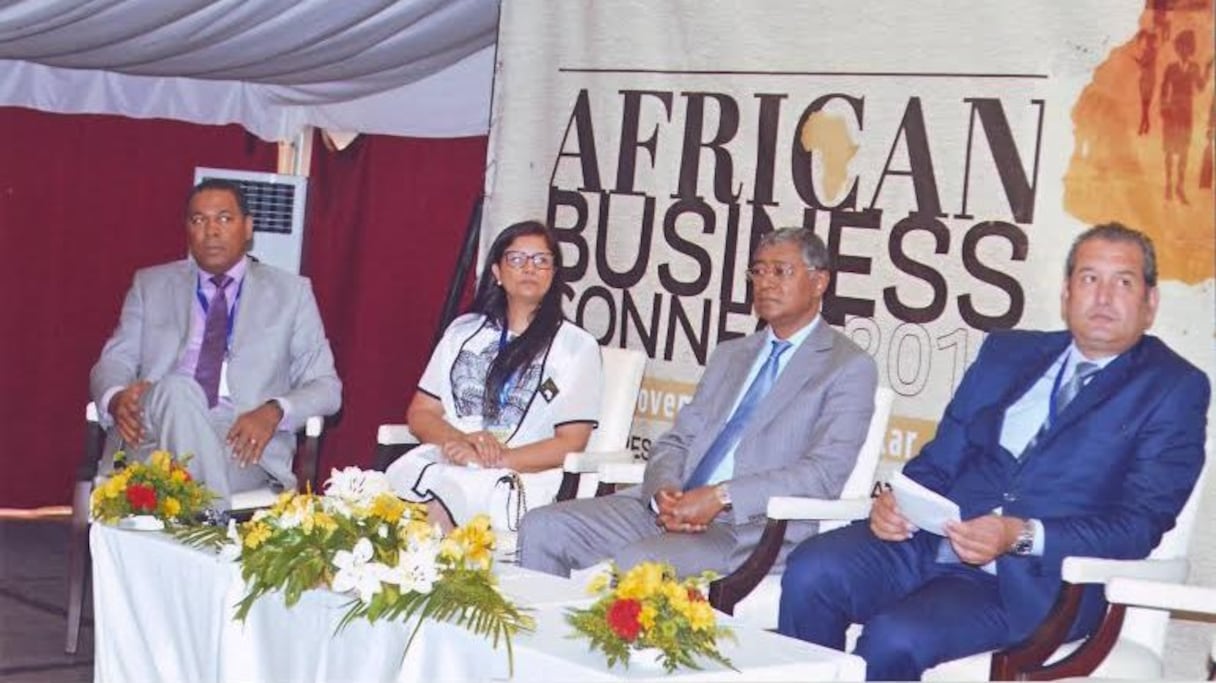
923,508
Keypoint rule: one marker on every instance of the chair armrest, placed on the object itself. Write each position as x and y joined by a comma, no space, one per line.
308,454
579,463
255,499
821,509
1098,570
395,434
590,462
616,473
1161,595
1027,659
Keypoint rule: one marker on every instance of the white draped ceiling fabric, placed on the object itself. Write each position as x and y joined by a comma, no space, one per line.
418,68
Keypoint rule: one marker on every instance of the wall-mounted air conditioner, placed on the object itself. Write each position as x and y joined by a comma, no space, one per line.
277,204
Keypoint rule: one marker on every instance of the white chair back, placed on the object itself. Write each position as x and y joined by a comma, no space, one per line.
760,606
623,370
1148,626
861,479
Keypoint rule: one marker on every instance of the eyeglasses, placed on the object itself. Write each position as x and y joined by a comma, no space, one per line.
541,260
782,271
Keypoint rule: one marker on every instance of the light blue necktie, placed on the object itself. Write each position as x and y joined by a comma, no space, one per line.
729,436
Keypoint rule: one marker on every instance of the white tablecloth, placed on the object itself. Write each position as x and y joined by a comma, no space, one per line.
163,612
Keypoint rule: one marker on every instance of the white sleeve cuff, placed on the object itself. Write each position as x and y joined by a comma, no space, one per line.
1040,540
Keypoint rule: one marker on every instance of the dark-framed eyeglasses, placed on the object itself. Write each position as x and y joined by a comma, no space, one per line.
781,271
541,260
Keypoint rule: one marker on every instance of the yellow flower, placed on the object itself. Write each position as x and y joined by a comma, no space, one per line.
388,507
115,485
283,501
256,534
161,460
178,476
416,530
641,581
172,507
324,521
473,542
647,615
700,616
598,584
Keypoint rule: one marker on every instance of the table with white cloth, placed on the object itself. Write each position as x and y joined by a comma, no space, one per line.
164,612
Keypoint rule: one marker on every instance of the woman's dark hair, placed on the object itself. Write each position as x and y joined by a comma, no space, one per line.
491,301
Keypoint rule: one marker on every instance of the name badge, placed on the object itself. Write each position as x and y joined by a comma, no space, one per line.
224,380
549,390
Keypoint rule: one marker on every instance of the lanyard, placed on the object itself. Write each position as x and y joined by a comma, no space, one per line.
509,384
202,300
1055,389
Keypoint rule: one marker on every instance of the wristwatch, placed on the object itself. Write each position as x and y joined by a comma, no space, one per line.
723,494
1024,543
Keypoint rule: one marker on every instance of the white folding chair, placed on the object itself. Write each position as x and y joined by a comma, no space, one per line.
1129,642
1167,597
753,592
307,454
623,370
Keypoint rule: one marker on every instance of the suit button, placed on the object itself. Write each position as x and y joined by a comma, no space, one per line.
1010,497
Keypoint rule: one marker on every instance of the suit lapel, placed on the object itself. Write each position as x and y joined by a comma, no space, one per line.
1100,388
247,306
735,375
184,288
801,368
986,426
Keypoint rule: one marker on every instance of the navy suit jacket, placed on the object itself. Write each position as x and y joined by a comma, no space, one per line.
1107,480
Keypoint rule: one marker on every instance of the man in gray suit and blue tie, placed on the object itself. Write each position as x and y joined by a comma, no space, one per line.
218,356
782,412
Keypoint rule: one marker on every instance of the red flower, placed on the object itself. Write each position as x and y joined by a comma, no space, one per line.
142,498
695,595
622,618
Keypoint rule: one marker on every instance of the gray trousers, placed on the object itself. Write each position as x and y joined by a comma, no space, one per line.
577,534
177,419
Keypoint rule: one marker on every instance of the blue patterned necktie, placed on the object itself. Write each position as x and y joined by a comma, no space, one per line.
1081,375
215,342
729,436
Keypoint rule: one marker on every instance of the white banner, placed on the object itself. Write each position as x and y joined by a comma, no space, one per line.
947,152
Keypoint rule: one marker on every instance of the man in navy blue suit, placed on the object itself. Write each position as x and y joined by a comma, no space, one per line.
1085,442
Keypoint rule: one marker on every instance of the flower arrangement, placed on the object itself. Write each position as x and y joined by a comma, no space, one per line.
160,487
648,607
359,538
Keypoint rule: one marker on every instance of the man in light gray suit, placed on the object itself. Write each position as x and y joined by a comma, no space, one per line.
218,356
782,412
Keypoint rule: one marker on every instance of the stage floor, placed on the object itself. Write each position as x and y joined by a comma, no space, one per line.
33,595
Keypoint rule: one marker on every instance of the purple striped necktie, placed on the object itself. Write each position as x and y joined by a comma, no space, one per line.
215,341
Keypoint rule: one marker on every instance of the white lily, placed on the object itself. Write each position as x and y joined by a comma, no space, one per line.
416,571
356,573
355,487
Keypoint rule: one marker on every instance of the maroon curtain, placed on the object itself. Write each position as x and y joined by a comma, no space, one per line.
84,201
386,218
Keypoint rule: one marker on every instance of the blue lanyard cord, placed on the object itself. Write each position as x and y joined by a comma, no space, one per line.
1055,389
202,300
508,385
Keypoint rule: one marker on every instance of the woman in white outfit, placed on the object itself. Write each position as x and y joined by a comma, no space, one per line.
510,389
